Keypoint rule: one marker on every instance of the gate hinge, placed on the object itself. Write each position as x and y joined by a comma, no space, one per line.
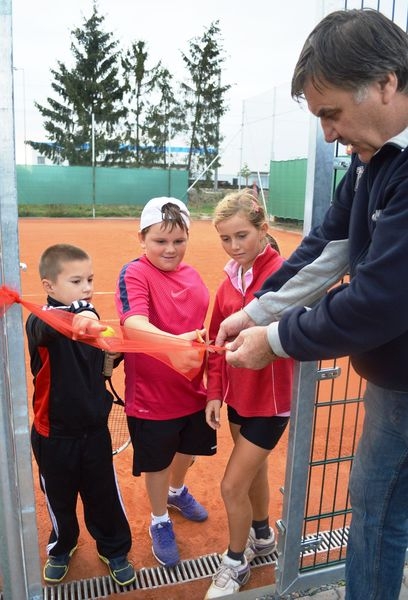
311,543
328,373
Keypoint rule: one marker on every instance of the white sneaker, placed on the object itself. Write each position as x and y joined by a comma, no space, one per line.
231,575
259,546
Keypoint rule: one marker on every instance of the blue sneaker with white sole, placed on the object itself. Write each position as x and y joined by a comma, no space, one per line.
187,505
164,546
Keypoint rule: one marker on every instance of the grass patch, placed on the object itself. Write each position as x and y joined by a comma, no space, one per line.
201,205
78,210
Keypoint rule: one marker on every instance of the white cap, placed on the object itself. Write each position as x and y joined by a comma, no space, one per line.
152,211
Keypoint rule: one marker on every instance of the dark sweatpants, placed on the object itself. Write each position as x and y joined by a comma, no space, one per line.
82,465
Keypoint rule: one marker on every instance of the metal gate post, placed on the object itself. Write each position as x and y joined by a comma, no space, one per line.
297,468
319,187
19,561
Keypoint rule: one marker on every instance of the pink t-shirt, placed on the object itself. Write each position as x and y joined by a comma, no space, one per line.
176,302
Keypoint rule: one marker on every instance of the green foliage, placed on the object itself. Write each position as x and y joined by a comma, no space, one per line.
165,119
245,172
140,81
204,97
91,87
78,210
201,203
114,108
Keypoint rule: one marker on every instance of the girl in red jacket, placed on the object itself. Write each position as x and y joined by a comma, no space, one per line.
258,401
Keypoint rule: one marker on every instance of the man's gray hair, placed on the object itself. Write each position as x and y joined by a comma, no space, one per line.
351,49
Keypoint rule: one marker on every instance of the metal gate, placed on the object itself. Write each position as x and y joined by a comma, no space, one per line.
326,422
326,412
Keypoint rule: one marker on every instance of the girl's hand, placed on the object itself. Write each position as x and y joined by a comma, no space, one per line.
212,413
198,335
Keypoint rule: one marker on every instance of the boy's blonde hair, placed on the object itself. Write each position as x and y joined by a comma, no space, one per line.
52,259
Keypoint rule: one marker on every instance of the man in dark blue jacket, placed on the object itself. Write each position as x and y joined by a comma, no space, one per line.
353,73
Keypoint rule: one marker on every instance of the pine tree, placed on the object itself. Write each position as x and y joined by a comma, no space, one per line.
89,92
140,82
204,97
164,120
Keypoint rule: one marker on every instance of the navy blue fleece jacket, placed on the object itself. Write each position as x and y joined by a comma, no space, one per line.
364,233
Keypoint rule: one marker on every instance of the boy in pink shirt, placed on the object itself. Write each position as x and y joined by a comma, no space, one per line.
166,412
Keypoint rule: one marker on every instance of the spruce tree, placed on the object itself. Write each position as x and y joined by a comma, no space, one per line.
164,120
204,97
140,82
88,92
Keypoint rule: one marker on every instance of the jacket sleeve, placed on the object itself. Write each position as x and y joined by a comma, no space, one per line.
320,261
371,311
216,362
40,333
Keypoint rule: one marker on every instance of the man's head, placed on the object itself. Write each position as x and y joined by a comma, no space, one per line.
353,72
66,273
350,49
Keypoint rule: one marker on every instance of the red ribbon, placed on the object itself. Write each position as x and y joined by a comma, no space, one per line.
170,350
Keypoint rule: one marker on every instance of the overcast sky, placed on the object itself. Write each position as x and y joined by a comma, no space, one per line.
262,40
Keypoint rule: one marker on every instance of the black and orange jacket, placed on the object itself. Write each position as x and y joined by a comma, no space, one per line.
70,397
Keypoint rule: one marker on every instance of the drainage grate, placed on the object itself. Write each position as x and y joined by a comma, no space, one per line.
187,570
325,540
146,578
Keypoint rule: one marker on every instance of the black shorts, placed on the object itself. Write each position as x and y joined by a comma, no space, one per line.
156,442
264,432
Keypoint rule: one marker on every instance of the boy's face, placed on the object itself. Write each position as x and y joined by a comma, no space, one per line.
164,248
74,282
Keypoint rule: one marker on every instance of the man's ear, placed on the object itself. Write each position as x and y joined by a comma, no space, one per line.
389,86
47,285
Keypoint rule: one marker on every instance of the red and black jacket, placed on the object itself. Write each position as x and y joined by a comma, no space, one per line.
70,398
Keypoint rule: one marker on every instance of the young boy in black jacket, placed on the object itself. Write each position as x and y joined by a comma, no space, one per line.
70,436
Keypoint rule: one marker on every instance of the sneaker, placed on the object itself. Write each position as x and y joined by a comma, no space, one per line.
259,546
120,569
57,567
164,545
230,576
188,506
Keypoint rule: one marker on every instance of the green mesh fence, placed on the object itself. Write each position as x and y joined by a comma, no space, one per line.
43,184
287,184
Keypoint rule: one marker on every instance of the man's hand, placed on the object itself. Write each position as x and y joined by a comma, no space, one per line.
250,349
231,327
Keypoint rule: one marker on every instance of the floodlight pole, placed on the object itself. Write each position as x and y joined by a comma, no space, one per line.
242,144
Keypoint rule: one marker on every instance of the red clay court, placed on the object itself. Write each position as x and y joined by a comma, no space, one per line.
111,243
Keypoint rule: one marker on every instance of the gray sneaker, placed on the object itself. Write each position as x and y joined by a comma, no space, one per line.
259,546
229,578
